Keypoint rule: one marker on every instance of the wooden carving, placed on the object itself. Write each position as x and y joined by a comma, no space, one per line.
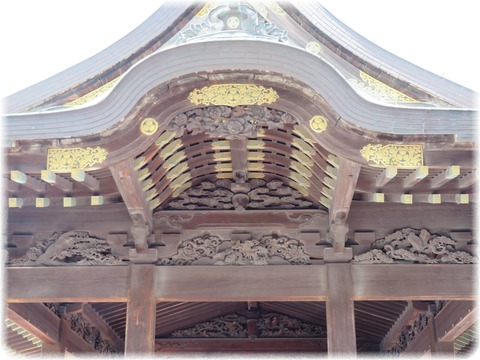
233,325
263,195
410,332
229,122
70,248
90,334
417,246
211,250
277,325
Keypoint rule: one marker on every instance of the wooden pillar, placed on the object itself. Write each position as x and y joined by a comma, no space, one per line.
341,336
141,306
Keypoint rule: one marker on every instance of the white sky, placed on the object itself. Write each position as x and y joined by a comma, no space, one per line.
42,38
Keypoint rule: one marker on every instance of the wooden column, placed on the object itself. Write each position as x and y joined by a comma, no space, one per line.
341,336
141,306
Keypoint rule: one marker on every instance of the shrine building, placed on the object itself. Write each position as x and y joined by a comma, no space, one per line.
241,177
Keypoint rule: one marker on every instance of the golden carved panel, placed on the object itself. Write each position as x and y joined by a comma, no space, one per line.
405,156
74,158
233,95
93,94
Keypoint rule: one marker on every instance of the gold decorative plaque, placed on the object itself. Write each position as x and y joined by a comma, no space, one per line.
74,158
406,156
318,124
149,126
233,95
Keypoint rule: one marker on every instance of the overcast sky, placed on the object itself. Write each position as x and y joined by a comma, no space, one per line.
42,38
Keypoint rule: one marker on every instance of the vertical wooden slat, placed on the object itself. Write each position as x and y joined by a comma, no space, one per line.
141,306
340,311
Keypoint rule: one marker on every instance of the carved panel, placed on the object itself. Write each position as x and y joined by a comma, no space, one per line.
269,325
74,158
263,195
417,246
410,332
70,248
211,250
402,156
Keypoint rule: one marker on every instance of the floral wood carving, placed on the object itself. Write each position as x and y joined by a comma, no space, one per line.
233,325
229,122
263,195
410,332
276,325
70,248
75,158
211,250
418,246
90,334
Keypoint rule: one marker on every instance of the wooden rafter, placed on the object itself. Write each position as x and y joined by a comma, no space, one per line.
454,319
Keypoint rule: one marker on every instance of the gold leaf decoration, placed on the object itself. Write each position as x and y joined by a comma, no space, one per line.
318,124
405,156
233,95
93,94
149,126
74,158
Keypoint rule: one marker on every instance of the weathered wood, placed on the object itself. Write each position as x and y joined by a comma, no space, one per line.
85,179
27,180
468,180
341,335
56,180
454,319
241,283
140,328
409,315
238,149
11,186
67,284
37,319
415,177
228,345
447,175
92,317
386,175
347,176
423,343
414,282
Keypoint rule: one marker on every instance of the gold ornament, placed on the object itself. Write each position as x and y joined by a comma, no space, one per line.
318,124
93,94
233,95
149,126
313,47
403,156
74,158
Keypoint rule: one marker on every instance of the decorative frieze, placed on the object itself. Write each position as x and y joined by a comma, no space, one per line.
233,95
269,325
70,248
212,250
415,246
75,158
401,156
263,195
229,122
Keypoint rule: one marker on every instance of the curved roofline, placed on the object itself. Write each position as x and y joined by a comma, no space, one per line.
316,73
157,23
383,60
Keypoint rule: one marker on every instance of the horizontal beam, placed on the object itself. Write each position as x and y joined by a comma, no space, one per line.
241,283
454,319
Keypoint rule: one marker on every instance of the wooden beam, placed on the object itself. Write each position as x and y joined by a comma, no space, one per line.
347,176
241,283
11,186
341,336
386,175
141,308
445,176
299,345
406,318
454,319
414,282
27,180
238,150
415,177
468,179
56,180
85,179
92,317
126,179
37,319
